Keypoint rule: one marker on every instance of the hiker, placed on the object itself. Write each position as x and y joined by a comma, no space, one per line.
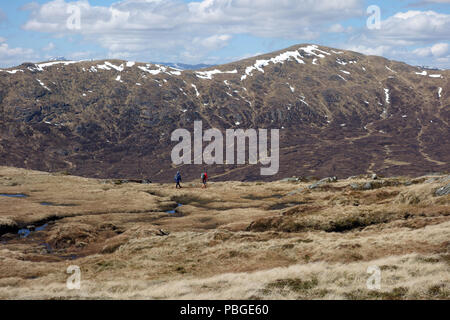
204,179
178,180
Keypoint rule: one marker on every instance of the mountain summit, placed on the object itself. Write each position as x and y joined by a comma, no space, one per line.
340,113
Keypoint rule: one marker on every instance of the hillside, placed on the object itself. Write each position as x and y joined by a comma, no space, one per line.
340,113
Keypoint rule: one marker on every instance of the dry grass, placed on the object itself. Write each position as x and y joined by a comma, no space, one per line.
233,240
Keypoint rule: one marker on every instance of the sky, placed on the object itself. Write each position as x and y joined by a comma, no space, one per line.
221,31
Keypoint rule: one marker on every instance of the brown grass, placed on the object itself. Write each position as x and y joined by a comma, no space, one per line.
233,240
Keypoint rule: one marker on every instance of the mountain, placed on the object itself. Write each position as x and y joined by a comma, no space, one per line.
59,59
340,113
184,66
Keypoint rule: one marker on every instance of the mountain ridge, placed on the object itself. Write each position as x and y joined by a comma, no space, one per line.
340,113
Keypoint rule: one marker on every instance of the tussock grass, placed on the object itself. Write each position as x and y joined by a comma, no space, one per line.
231,241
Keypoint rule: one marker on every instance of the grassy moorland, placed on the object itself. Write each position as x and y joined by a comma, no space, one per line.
276,240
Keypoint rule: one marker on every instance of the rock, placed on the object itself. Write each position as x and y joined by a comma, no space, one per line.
292,179
162,233
322,182
443,191
374,176
443,179
368,186
355,186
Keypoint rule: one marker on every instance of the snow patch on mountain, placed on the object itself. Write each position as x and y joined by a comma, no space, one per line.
118,68
390,69
196,91
160,69
208,75
388,98
260,64
311,51
43,85
53,63
12,71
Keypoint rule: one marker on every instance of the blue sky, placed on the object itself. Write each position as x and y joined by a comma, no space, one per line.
219,31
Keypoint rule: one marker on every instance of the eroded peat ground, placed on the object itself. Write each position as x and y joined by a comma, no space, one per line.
278,240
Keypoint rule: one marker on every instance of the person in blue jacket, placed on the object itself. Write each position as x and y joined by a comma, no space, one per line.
178,180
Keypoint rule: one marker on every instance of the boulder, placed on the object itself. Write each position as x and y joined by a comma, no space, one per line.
322,182
355,186
368,186
292,179
443,191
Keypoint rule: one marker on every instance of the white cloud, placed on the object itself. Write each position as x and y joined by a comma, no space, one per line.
49,47
414,26
439,53
416,37
374,51
337,28
13,56
196,28
213,42
439,49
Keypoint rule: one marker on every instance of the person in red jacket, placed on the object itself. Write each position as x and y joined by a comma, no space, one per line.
204,179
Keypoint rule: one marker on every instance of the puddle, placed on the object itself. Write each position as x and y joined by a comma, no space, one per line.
174,211
25,232
16,195
51,204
